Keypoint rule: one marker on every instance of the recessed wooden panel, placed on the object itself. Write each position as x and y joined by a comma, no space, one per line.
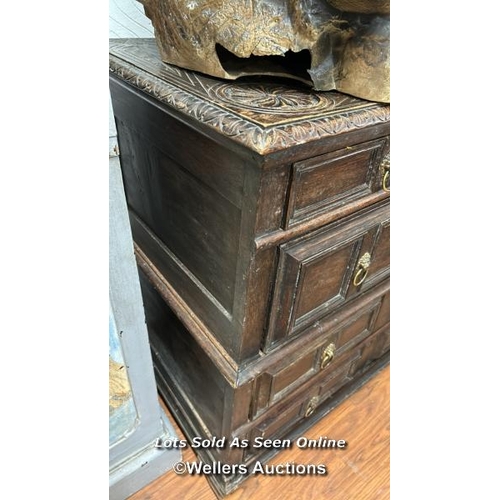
285,376
325,182
384,315
371,350
322,280
277,424
381,252
360,357
294,372
270,427
337,379
378,248
354,329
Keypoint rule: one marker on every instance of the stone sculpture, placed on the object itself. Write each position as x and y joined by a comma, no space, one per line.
328,44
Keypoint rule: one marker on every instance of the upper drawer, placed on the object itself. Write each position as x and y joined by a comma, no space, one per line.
326,182
321,271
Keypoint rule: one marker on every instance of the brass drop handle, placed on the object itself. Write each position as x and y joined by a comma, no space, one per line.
311,406
386,181
385,166
362,269
327,356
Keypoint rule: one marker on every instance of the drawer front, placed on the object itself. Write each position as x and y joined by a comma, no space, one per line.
278,424
364,355
272,387
320,272
329,345
384,314
370,351
326,182
302,404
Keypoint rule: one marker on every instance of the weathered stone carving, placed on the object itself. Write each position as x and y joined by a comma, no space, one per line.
329,44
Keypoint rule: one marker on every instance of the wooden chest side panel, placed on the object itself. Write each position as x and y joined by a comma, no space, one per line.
203,156
197,224
201,386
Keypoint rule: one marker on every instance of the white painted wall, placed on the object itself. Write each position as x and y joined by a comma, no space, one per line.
127,20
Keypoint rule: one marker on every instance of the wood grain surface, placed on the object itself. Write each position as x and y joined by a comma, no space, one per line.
361,471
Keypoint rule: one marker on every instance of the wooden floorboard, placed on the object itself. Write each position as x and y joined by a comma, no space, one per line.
359,472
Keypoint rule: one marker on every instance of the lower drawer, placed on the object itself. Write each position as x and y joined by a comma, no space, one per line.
323,348
279,420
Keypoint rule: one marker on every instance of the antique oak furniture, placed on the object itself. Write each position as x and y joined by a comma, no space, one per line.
260,215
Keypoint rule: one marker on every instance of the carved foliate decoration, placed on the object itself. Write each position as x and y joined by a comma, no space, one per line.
266,118
329,44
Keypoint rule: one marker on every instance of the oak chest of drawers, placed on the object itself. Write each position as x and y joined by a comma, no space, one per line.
260,215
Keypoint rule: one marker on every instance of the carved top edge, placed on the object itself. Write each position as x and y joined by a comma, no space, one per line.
264,116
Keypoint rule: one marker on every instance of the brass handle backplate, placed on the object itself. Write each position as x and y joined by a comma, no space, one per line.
362,269
385,167
311,406
327,356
